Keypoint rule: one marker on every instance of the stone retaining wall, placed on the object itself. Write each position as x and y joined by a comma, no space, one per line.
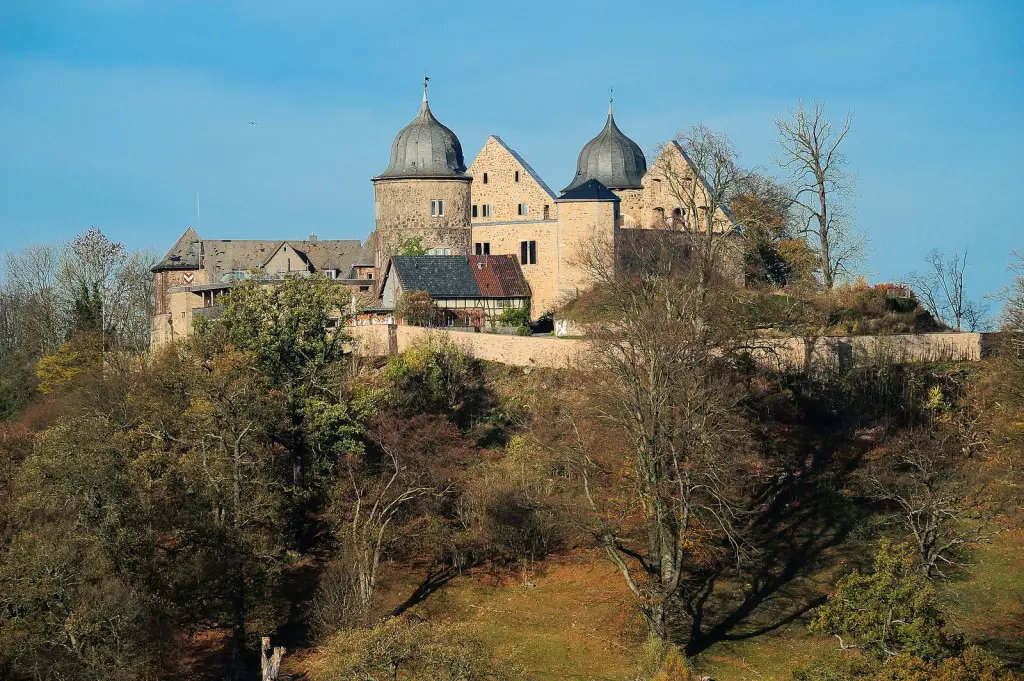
781,353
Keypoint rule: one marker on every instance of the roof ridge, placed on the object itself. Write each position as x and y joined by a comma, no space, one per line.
526,166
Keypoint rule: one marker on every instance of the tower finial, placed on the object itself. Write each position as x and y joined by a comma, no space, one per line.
426,79
611,96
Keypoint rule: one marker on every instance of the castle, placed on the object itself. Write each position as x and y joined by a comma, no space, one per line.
495,215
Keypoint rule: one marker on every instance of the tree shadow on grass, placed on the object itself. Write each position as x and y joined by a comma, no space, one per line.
801,525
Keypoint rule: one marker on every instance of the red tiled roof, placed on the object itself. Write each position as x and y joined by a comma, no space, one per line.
499,276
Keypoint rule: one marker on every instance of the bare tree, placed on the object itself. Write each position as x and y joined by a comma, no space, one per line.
38,316
701,174
941,290
821,186
1012,315
937,493
380,491
659,379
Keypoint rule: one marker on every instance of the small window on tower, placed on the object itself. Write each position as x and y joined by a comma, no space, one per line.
487,208
475,210
440,207
487,248
433,208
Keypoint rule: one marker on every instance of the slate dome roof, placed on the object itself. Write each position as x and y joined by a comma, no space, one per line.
425,148
611,158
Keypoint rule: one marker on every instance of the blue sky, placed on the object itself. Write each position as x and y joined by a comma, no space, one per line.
116,113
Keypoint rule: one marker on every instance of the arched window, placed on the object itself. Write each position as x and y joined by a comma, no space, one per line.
659,215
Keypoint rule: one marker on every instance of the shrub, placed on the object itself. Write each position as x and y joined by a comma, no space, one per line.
412,651
436,377
514,316
890,611
524,331
417,308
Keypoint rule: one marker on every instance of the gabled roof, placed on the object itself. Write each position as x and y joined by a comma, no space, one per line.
700,178
300,252
499,276
185,254
591,190
460,276
442,276
220,257
526,166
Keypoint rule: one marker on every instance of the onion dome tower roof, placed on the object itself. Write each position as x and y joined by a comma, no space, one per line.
611,158
425,148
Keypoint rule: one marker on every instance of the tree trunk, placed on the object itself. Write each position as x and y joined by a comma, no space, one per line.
270,660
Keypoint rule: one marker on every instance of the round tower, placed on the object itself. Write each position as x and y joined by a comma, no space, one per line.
617,162
424,193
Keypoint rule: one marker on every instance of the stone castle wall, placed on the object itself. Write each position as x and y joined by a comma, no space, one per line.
402,210
787,354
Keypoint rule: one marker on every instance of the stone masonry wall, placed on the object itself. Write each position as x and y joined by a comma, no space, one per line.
786,354
502,192
582,226
402,209
505,239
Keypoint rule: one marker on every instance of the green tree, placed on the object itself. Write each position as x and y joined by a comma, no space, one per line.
290,330
890,611
412,245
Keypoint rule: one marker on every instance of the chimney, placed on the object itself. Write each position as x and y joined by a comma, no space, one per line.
312,236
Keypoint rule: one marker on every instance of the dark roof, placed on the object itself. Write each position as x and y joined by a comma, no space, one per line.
460,276
425,148
220,257
499,276
591,190
185,254
611,157
442,276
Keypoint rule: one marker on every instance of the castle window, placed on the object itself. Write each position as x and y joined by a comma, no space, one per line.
475,210
517,176
527,252
659,214
437,208
547,212
447,251
483,248
485,178
521,209
487,210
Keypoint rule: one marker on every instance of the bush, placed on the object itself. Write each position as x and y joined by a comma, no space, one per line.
524,331
515,316
436,377
335,602
890,611
412,651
